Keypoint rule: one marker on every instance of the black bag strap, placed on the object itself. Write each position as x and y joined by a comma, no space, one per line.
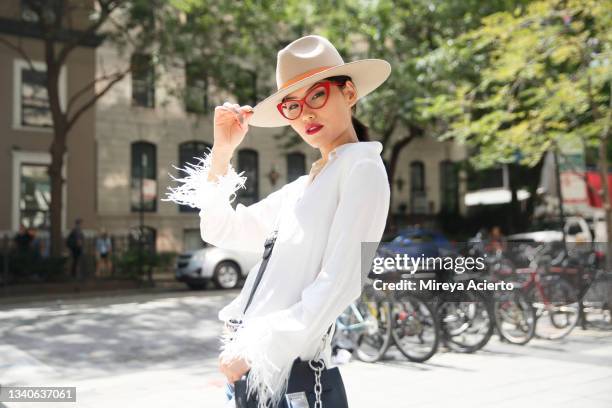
269,244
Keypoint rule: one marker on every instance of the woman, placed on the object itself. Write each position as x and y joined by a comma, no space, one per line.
103,251
322,218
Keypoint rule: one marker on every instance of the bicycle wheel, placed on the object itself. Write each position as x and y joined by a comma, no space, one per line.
373,311
557,309
415,328
597,303
466,325
515,317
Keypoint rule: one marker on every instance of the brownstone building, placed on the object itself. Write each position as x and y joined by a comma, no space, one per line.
26,129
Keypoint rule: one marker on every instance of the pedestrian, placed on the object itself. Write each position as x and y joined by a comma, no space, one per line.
21,260
35,244
103,254
321,218
75,242
496,242
22,239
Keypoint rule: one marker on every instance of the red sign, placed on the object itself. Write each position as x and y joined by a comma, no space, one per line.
594,187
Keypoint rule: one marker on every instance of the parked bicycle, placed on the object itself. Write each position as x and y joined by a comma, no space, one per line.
512,313
415,329
364,328
596,305
596,293
515,317
380,319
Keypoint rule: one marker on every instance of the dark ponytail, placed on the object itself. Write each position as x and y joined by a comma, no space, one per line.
360,128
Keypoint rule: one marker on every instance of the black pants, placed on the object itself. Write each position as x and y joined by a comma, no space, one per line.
76,257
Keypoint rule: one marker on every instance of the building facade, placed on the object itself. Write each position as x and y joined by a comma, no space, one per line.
144,128
428,180
121,153
26,127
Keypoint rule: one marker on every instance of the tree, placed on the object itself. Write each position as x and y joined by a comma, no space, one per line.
402,32
407,34
62,26
540,75
234,45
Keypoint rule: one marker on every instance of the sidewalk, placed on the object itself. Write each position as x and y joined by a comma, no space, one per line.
160,350
501,376
21,294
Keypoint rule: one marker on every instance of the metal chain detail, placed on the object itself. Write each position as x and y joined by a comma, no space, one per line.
317,364
318,388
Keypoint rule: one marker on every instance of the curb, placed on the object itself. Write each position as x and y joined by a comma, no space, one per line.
82,290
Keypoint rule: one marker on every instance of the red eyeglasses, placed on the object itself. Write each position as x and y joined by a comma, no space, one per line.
316,98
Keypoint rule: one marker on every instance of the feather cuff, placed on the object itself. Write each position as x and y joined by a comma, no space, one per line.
196,191
267,379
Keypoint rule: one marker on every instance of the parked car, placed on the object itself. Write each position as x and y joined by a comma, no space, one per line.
225,268
576,230
418,242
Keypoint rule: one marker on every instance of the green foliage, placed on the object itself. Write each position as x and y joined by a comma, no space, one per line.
28,267
525,80
166,260
128,263
235,45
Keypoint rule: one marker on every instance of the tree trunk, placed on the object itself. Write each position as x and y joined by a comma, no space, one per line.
514,203
57,182
395,153
57,148
605,196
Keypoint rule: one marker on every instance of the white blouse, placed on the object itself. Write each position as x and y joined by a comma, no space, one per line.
314,271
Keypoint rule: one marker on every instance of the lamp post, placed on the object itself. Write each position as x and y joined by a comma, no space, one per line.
143,164
560,197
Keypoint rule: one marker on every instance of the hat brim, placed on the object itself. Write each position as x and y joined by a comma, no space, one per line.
366,74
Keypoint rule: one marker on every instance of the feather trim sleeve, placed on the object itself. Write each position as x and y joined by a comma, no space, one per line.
197,191
270,342
268,375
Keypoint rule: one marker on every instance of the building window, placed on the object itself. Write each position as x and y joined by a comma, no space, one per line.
296,166
144,177
148,236
29,14
196,92
35,108
248,162
188,152
417,176
449,187
418,195
31,189
35,196
143,81
31,108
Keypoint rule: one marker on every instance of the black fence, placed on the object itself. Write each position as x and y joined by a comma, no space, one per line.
128,259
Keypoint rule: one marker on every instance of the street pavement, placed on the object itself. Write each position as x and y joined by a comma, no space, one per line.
160,350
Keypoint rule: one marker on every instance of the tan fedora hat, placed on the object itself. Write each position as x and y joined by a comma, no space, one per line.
308,60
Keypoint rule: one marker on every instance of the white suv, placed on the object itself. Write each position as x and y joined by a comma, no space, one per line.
224,267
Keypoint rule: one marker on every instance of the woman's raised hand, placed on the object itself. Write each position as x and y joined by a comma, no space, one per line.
231,123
